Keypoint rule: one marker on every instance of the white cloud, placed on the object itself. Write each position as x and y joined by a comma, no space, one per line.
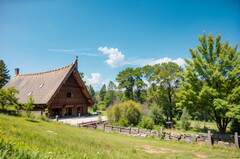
153,61
94,79
115,57
179,61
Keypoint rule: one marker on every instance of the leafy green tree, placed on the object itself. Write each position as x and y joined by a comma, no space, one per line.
102,92
165,79
7,97
125,114
131,79
126,81
211,81
139,84
4,74
29,105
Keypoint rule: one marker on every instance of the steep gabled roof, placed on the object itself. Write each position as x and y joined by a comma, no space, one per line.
43,86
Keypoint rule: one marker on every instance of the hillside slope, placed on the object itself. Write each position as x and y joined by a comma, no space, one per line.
30,138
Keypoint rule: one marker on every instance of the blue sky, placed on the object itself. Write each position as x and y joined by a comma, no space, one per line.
109,35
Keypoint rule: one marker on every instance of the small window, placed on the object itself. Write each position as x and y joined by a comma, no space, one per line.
30,93
69,95
41,85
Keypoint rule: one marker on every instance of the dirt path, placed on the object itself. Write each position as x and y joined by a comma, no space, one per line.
158,150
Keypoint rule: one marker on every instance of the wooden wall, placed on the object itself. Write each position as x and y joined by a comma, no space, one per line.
77,100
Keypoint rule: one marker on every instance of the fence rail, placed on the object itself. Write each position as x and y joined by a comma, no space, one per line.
201,138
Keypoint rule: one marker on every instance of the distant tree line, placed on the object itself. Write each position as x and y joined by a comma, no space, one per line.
207,87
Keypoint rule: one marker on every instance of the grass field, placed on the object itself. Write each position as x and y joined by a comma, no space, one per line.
31,138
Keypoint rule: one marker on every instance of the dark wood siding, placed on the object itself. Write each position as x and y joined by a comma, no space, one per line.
77,100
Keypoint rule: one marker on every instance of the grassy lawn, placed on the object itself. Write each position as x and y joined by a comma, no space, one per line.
43,139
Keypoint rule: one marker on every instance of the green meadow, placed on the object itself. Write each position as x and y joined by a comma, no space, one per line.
22,137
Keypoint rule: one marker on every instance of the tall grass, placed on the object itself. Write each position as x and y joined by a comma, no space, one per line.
33,138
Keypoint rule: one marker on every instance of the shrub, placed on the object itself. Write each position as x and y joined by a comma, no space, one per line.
102,105
197,125
126,113
94,107
235,126
123,122
7,97
156,114
146,123
29,105
185,124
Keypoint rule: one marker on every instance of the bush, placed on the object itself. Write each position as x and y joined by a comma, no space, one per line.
43,118
185,124
102,105
29,105
146,123
156,114
126,113
94,107
197,125
7,97
123,122
235,126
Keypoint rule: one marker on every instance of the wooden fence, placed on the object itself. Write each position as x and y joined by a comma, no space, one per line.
201,138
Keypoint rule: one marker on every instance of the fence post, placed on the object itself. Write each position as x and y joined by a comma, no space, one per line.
236,140
129,130
161,133
104,126
112,128
209,138
119,128
138,131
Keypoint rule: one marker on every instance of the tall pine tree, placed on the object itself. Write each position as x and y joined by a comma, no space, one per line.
4,76
102,92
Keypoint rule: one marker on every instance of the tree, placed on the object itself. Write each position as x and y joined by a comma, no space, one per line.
7,97
139,84
91,91
102,92
212,81
126,81
165,78
131,79
111,94
29,105
82,76
4,76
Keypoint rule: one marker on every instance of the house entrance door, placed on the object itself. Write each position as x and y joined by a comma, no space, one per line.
57,111
69,111
80,110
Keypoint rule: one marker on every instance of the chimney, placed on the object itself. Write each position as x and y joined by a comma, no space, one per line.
16,71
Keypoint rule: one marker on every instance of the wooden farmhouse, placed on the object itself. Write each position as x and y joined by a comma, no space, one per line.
61,91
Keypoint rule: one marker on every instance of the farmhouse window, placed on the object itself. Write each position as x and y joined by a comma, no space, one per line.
69,95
